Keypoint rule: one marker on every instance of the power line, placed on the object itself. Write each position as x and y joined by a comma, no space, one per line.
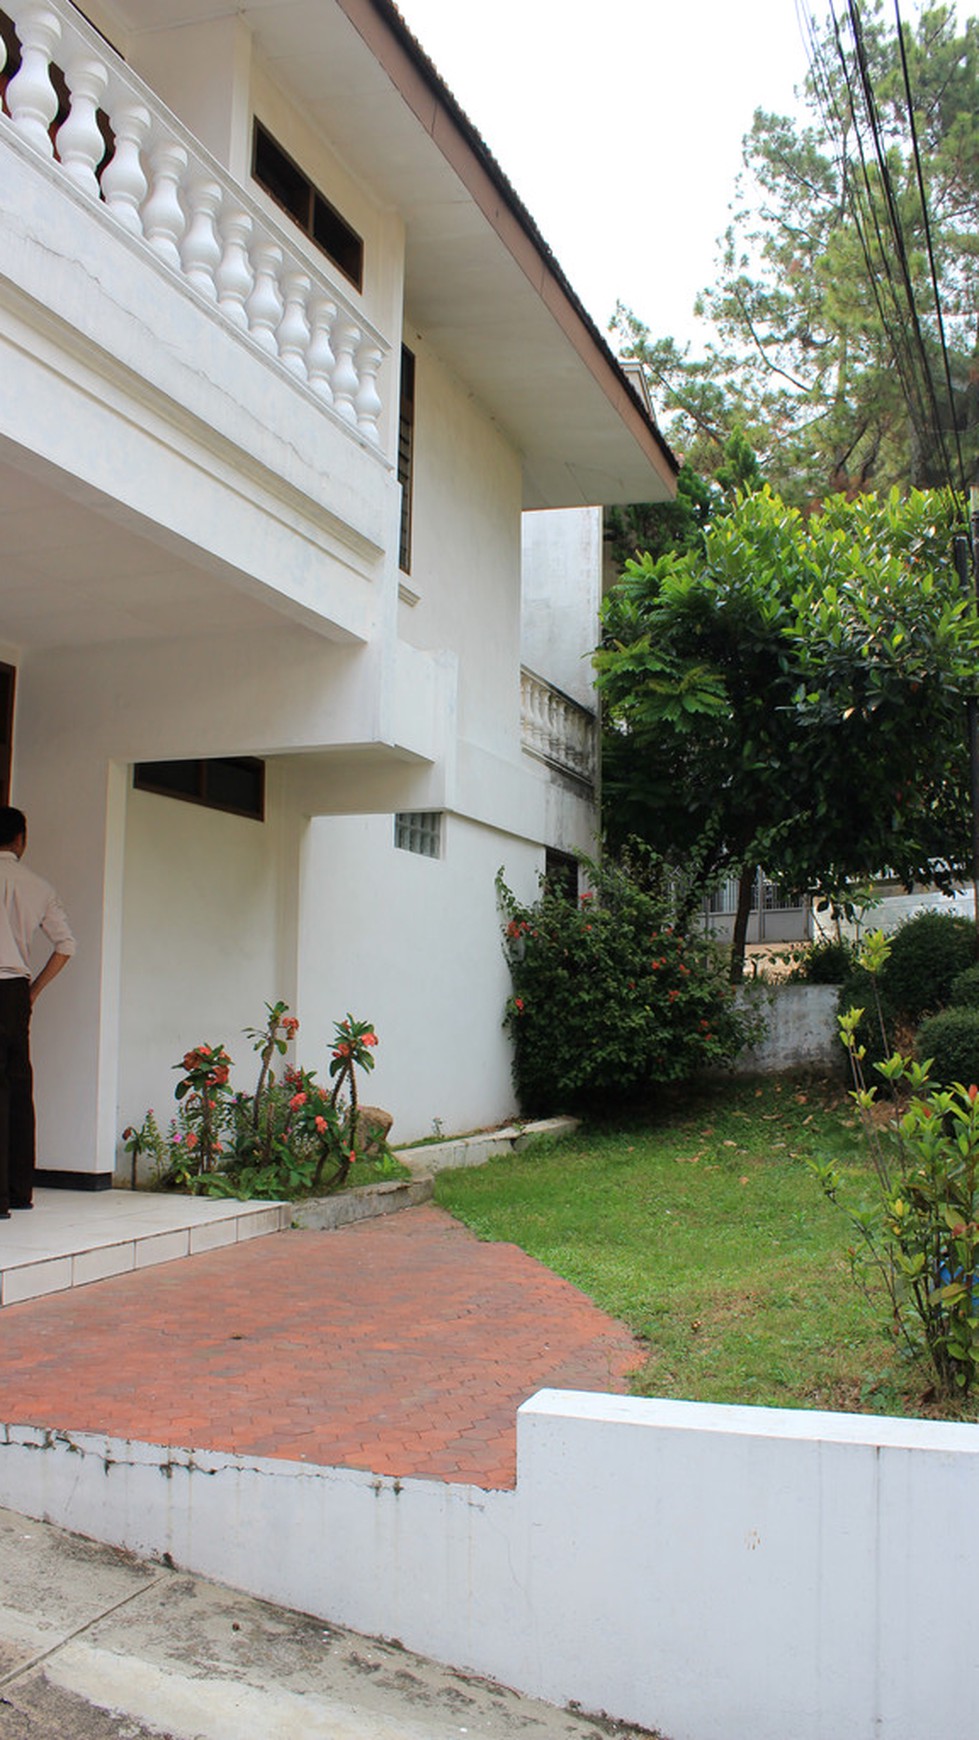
892,286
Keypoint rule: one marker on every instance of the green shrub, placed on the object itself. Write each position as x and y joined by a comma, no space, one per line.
965,990
951,1040
926,955
919,1235
609,998
826,963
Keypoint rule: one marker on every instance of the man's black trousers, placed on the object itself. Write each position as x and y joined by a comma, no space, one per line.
16,1094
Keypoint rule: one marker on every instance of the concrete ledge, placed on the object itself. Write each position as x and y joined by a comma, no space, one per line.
484,1145
325,1213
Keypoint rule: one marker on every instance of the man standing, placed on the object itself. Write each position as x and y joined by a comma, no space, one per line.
27,904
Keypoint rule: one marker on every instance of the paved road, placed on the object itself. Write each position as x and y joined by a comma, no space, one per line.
98,1645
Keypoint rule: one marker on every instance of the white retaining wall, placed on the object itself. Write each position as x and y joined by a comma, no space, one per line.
800,1029
717,1573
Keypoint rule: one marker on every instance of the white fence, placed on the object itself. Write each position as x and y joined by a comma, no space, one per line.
716,1573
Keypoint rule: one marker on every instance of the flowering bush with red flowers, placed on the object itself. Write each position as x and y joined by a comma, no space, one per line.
610,998
291,1136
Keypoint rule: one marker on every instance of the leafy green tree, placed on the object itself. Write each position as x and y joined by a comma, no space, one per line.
812,349
793,695
661,526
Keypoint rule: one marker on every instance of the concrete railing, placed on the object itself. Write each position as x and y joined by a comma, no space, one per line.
160,185
556,729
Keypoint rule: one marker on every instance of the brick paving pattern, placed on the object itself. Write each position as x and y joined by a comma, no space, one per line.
401,1345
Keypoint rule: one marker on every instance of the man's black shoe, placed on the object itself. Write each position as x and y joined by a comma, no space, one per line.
22,1205
4,1214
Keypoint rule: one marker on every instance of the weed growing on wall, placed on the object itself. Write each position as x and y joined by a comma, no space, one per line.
609,996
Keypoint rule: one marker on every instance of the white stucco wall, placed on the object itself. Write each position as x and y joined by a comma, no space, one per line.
466,551
226,528
208,938
412,944
561,593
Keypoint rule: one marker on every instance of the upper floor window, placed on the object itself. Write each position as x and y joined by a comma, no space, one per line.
292,189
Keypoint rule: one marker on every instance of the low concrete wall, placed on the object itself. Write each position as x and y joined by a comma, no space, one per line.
364,1202
716,1573
484,1145
800,1029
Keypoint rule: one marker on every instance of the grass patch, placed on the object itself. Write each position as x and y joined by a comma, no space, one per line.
701,1227
385,1169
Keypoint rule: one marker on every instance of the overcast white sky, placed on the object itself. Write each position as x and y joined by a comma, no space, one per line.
620,123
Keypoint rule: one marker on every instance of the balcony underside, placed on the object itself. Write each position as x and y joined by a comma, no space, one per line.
77,572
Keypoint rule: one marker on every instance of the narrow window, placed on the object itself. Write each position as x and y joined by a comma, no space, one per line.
235,784
419,831
561,873
406,455
8,677
292,189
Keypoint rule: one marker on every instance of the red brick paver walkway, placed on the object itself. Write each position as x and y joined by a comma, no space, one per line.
401,1345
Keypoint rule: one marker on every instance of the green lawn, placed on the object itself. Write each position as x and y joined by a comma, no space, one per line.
701,1227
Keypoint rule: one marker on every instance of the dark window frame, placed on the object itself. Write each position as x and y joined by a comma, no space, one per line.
8,688
561,873
203,774
406,456
281,177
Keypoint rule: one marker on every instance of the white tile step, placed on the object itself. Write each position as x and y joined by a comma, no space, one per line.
74,1236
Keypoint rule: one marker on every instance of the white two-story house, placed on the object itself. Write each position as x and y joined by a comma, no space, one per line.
284,367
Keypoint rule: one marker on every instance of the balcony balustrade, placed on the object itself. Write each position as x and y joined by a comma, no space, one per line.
116,144
556,729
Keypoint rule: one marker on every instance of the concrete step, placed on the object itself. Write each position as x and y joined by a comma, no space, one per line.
71,1237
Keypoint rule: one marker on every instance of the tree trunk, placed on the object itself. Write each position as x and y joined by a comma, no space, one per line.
746,888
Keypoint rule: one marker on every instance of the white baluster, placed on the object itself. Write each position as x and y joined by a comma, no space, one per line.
3,54
123,183
540,716
31,97
320,361
234,277
346,338
200,250
368,401
265,304
163,215
534,731
293,333
79,140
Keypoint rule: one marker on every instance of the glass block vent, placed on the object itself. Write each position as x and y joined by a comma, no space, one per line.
419,831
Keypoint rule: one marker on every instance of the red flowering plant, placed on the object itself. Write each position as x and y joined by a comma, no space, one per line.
205,1086
919,1234
289,1137
353,1049
610,998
